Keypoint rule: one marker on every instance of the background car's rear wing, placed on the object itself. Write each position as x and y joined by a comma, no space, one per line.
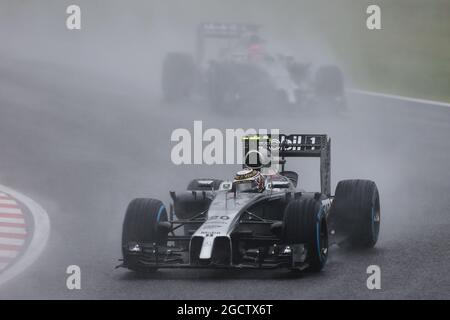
223,31
226,30
273,149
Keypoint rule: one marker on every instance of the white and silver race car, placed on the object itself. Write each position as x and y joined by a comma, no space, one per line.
258,220
233,67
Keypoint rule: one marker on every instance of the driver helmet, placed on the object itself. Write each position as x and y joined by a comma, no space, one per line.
255,47
249,180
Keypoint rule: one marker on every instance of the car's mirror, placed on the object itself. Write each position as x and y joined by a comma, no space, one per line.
277,228
164,226
226,186
281,185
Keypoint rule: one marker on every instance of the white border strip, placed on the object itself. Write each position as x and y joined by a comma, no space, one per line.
392,96
38,242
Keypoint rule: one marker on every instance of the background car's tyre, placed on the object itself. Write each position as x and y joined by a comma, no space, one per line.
179,74
305,223
329,82
221,86
355,212
141,226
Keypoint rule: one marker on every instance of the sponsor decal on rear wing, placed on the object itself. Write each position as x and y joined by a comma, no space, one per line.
301,145
293,145
226,30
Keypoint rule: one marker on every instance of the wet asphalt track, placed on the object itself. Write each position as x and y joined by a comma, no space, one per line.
84,151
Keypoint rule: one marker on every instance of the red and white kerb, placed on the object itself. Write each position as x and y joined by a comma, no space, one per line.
13,230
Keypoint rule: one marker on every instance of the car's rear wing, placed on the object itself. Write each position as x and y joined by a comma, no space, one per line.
217,30
279,147
226,30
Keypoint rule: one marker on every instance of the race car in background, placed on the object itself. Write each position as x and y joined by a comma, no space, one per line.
258,220
233,67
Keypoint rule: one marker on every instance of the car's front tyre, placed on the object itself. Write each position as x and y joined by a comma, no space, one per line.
305,223
141,226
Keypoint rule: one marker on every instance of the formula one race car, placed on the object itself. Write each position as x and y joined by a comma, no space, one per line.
258,220
235,69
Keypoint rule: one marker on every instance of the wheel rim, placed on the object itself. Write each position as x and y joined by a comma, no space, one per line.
376,219
322,241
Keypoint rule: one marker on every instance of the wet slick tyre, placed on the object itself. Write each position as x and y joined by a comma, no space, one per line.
305,223
178,76
329,88
141,226
356,213
329,82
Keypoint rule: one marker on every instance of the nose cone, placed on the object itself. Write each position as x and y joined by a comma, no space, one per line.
207,248
215,250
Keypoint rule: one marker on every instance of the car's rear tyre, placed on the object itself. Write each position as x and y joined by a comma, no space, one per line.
329,82
179,74
305,223
356,213
222,90
141,226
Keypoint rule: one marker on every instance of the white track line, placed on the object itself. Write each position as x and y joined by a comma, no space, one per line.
37,244
396,97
